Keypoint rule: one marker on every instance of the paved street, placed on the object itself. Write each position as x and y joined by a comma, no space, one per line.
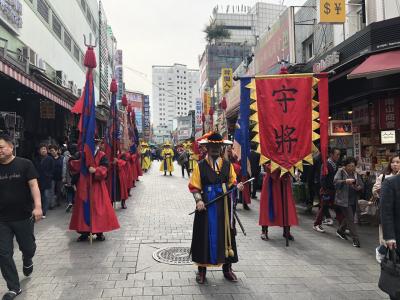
315,266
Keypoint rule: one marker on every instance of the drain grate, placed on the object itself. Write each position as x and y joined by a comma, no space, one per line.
173,255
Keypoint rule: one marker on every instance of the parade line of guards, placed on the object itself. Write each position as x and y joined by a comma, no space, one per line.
111,184
214,173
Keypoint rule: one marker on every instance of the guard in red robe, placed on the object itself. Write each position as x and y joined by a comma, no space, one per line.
103,218
272,212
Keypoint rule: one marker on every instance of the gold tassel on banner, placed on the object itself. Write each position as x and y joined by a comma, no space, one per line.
228,239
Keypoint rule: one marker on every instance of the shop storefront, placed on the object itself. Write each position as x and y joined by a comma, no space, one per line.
33,109
364,94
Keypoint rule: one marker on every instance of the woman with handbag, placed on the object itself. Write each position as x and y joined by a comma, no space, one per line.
392,169
348,186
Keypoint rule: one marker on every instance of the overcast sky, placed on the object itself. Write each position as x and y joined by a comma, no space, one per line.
162,32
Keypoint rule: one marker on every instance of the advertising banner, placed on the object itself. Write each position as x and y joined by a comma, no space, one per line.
227,79
146,117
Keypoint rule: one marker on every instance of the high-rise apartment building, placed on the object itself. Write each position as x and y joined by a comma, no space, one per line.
245,25
175,90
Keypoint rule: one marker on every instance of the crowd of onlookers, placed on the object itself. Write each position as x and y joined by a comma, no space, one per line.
352,196
56,183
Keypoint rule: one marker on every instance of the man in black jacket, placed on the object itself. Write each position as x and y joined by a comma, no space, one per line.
390,211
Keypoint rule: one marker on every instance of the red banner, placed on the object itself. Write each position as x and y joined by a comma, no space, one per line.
285,119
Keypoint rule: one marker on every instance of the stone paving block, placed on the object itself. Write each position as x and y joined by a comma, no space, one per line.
125,283
170,275
132,292
175,290
153,275
143,283
183,297
114,292
161,282
152,291
180,282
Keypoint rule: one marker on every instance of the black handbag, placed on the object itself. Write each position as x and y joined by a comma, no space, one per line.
389,281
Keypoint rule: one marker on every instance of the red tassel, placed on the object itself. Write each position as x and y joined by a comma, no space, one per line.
113,86
124,101
203,118
129,109
90,58
211,112
284,70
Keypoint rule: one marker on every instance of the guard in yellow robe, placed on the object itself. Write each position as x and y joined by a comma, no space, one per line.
145,156
167,155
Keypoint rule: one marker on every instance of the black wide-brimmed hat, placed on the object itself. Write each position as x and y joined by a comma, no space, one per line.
214,138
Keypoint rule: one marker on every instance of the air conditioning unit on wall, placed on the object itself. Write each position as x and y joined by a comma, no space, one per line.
41,64
30,55
61,79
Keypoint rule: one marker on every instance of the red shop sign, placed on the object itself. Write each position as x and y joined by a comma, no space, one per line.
389,114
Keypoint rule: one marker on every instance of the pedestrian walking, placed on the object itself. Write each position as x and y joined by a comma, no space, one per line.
57,184
45,166
390,219
18,186
392,169
213,240
327,192
69,180
348,185
183,161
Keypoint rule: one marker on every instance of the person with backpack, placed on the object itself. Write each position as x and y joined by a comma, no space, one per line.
392,169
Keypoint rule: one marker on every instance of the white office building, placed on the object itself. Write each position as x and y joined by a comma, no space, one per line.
175,90
246,23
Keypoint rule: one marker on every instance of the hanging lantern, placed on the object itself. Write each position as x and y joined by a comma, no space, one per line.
90,58
223,103
129,109
113,86
124,101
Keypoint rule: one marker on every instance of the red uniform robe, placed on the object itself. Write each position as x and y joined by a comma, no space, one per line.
135,175
271,213
123,178
103,217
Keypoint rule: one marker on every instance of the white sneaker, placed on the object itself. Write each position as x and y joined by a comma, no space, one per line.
328,222
43,217
319,228
378,256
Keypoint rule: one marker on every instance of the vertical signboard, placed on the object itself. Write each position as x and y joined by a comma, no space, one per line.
357,145
227,80
146,117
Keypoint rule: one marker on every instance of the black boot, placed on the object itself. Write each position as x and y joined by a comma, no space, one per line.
100,237
286,233
123,204
201,275
228,272
84,237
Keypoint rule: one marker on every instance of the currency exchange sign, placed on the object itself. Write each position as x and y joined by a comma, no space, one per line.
332,11
285,118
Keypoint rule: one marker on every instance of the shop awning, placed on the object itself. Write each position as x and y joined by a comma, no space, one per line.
378,65
26,80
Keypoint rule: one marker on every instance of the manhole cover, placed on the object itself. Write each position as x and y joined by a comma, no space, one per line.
173,255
